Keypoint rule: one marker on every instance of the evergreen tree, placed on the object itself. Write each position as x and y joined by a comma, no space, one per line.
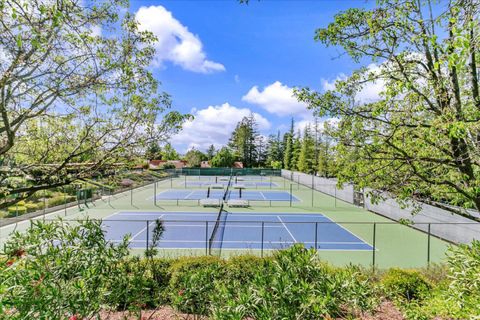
288,149
244,140
296,146
153,152
327,165
194,157
274,153
306,158
211,152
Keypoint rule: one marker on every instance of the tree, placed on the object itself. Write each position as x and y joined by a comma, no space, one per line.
153,152
326,161
194,157
223,159
169,153
261,146
244,140
74,102
211,152
274,152
296,146
420,138
288,141
306,158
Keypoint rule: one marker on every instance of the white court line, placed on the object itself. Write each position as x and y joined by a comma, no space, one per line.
291,235
262,195
139,232
188,195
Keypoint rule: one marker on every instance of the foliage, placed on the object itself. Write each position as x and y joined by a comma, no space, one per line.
294,284
169,153
210,152
464,269
193,283
288,148
194,157
55,270
168,165
153,152
419,137
244,141
223,159
405,284
74,102
306,158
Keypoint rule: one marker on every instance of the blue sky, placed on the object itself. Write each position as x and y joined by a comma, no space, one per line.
220,60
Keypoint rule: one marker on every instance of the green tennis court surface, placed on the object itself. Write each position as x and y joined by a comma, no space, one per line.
394,244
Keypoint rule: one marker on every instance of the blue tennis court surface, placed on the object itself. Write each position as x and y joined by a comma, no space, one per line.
250,184
192,230
173,194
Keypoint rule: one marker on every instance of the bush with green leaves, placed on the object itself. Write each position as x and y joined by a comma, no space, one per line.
294,284
405,284
192,283
55,270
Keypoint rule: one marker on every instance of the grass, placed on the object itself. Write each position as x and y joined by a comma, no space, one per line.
396,245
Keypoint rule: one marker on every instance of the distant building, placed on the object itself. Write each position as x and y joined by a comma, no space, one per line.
205,164
237,165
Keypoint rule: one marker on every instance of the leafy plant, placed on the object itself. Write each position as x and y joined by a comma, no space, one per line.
405,284
55,270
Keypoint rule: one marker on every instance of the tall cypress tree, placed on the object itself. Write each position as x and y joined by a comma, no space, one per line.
288,150
296,146
306,158
244,141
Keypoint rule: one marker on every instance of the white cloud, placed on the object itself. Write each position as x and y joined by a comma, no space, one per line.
277,98
214,125
237,78
175,42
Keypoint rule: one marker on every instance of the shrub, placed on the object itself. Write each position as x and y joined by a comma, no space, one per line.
126,183
404,284
31,207
59,200
55,270
168,165
294,284
16,210
464,270
192,283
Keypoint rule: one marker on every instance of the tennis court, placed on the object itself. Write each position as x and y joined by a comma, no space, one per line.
254,195
192,230
249,184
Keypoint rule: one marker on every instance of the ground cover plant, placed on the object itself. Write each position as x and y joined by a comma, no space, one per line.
57,270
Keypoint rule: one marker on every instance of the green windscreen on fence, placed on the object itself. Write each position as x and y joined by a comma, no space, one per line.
228,172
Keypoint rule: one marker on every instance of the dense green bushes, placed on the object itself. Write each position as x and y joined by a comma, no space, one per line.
76,272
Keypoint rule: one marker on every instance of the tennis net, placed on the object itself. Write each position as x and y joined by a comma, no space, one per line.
216,239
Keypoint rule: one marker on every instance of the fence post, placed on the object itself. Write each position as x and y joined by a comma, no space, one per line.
335,186
428,245
171,181
155,194
270,182
44,202
312,189
206,238
146,244
316,236
64,200
291,195
131,196
374,244
263,229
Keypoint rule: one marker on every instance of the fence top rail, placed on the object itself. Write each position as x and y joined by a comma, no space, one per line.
270,222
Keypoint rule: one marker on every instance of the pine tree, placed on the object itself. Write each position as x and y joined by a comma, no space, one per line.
211,152
296,146
244,141
288,149
306,158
